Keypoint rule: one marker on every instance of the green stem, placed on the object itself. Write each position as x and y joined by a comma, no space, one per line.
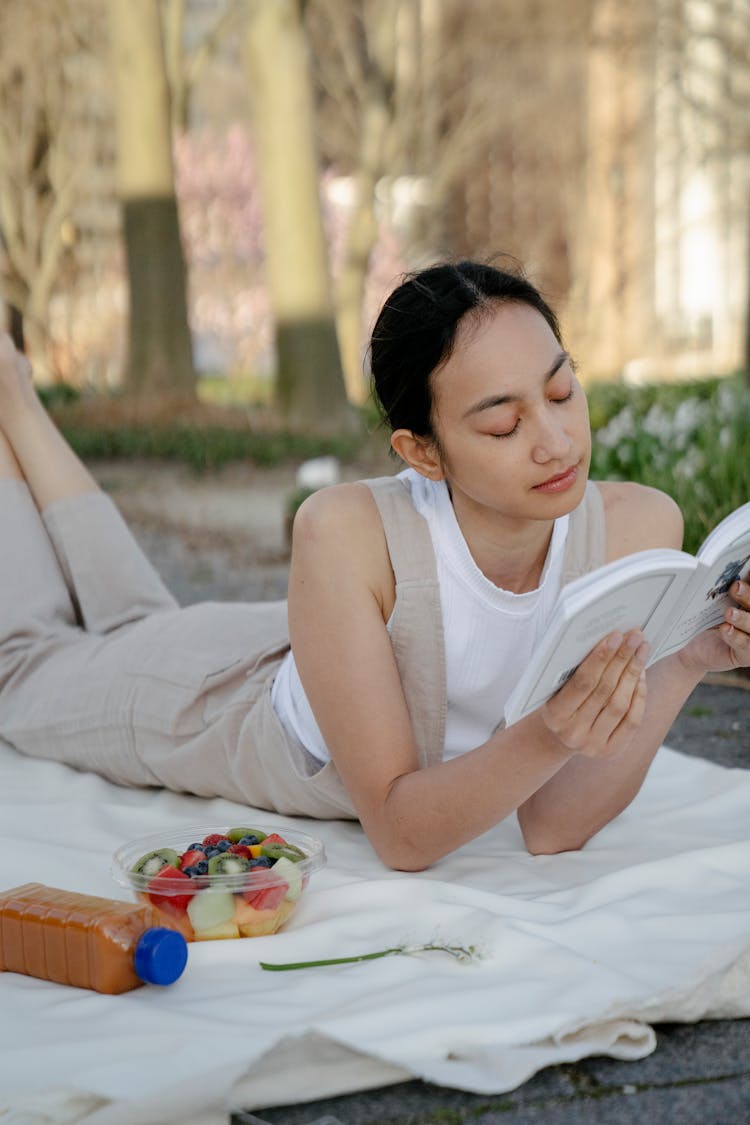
275,967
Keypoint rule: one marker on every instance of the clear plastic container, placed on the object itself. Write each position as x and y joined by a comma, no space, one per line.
86,941
251,903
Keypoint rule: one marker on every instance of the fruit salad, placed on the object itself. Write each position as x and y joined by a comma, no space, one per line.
241,882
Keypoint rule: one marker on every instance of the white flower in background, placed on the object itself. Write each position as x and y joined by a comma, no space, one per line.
660,459
617,429
727,402
701,490
691,465
725,437
658,423
689,416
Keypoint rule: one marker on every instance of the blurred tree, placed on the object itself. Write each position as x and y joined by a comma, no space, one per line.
357,73
459,125
40,160
160,352
707,55
186,61
309,384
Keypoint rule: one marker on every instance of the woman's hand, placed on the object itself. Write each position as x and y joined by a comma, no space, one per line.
726,646
597,712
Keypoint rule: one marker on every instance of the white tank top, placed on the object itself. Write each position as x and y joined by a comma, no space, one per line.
489,632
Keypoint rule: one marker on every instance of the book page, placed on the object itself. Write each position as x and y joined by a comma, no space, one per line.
733,530
707,595
638,602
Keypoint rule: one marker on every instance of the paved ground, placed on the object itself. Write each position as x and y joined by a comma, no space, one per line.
224,537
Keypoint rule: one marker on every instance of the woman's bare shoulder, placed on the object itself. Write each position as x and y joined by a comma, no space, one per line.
639,517
339,508
340,528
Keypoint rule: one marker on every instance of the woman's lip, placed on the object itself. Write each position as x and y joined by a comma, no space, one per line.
560,482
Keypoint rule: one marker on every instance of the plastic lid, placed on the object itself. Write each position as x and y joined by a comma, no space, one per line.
160,955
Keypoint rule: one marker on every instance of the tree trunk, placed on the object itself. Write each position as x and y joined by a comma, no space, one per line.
15,327
160,350
377,118
309,385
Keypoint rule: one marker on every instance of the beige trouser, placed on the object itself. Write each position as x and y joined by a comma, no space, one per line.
101,669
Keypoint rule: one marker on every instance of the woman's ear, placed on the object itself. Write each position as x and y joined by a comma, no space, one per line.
419,453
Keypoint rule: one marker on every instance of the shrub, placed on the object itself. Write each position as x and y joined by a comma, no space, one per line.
690,440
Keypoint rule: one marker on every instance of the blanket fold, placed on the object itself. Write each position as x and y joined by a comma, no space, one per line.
575,955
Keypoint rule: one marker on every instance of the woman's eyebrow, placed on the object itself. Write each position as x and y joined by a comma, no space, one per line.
500,400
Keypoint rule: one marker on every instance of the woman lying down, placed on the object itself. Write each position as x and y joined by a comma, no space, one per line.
415,601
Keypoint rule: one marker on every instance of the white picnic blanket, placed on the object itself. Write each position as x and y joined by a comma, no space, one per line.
582,952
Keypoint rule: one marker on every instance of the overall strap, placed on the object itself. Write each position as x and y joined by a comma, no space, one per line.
416,627
586,542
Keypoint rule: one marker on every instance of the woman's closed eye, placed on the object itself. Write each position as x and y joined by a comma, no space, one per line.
506,433
556,399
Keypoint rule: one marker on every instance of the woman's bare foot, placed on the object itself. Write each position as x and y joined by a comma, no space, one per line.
51,469
16,387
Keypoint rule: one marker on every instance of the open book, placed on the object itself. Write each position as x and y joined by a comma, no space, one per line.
670,595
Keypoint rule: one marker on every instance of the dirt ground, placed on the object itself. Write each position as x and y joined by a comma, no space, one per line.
218,536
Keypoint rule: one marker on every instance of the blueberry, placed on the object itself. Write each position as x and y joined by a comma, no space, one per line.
196,848
191,870
201,867
224,845
248,840
211,852
261,861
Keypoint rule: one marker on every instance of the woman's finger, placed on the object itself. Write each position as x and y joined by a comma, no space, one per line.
621,709
619,662
612,667
614,688
735,632
622,734
560,710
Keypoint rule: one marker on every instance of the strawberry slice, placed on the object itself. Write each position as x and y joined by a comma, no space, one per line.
212,840
241,849
161,890
187,859
274,838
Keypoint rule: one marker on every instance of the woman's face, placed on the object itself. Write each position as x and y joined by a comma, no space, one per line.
511,418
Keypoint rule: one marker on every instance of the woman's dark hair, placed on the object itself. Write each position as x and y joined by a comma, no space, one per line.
416,331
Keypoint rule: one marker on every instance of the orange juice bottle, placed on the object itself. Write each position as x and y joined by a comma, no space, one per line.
86,941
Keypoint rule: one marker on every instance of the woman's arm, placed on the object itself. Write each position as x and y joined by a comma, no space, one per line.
341,593
586,794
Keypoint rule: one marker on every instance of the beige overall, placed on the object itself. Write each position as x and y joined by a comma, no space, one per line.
101,669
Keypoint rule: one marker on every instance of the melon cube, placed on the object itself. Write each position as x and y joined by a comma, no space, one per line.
210,908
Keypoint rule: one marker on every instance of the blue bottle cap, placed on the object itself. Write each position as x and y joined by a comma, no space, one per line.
160,955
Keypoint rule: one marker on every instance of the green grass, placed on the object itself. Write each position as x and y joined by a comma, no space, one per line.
698,711
205,447
200,433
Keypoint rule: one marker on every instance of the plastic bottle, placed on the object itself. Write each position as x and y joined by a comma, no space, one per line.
86,941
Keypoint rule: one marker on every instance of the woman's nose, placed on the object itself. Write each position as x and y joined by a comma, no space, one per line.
552,441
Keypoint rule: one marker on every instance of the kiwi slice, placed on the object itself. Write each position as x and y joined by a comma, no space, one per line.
236,834
152,863
227,863
285,851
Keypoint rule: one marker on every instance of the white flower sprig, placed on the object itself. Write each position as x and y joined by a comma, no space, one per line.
464,954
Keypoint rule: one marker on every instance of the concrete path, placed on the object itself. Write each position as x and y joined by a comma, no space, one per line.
224,537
